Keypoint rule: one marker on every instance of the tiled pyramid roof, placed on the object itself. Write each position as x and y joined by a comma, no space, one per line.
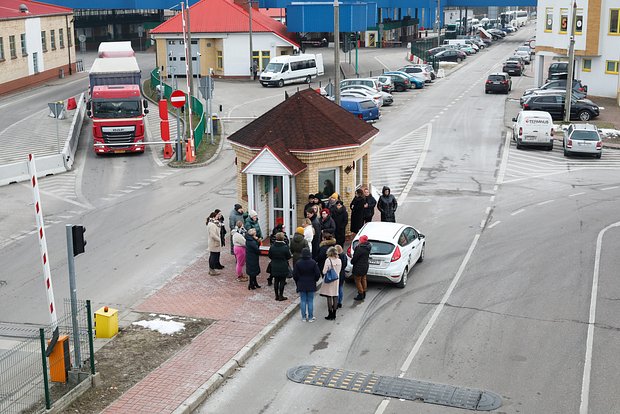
224,16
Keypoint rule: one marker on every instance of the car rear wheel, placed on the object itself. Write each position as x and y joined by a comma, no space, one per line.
598,155
403,279
584,115
308,79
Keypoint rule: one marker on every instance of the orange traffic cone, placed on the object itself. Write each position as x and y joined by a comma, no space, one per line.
71,104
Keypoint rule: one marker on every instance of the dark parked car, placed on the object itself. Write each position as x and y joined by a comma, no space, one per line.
557,67
498,82
582,109
513,67
450,56
401,82
575,94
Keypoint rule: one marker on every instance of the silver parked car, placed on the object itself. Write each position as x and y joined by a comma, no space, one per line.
583,139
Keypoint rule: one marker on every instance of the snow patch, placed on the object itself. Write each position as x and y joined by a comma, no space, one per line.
161,326
610,133
166,317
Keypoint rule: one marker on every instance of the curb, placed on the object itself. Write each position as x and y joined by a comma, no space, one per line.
214,382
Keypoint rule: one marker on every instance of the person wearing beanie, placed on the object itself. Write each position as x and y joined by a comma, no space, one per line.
310,203
306,274
341,219
360,262
327,223
251,222
298,243
331,201
235,215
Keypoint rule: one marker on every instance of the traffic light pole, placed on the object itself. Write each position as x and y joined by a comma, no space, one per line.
73,291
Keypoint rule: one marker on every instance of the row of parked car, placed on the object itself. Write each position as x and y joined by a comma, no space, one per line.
364,96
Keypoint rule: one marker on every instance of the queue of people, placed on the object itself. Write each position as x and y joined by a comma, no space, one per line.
316,249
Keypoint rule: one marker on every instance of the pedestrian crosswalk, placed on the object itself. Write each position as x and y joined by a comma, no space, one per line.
395,164
525,164
61,185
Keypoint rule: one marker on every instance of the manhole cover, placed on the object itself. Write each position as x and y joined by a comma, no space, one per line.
192,183
227,192
407,389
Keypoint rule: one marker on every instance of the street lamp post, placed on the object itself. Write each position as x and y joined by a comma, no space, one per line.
571,64
251,48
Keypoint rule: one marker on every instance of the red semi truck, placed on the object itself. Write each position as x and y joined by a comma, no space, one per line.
116,106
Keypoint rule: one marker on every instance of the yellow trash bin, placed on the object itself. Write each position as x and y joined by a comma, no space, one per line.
106,322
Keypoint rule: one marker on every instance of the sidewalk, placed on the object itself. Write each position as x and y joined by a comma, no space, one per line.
243,319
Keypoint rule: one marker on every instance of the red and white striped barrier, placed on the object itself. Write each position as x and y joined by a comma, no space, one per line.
413,58
47,276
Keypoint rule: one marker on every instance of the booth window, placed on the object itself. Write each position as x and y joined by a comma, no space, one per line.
328,182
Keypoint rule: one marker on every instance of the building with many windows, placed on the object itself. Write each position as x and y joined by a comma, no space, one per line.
597,42
219,31
36,43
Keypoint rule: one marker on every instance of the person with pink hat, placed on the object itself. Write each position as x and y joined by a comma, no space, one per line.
360,262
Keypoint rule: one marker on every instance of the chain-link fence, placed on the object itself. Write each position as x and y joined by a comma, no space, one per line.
27,375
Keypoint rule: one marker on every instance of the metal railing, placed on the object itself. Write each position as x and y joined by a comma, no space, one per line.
26,372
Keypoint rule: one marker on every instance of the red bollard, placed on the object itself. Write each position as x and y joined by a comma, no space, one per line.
71,104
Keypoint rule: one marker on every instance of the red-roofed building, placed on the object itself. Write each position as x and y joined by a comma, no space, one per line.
34,43
220,31
307,144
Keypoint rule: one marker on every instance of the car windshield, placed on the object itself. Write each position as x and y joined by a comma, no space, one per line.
116,109
274,67
585,135
378,247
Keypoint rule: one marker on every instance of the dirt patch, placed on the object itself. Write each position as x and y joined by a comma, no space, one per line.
129,357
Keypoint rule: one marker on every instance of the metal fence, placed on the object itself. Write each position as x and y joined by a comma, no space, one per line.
26,374
197,107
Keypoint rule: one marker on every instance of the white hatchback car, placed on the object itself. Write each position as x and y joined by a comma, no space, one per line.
582,139
395,249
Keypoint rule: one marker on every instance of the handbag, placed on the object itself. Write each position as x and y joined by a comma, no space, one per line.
331,275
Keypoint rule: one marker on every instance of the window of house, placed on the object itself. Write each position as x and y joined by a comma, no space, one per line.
53,39
23,42
328,182
265,57
1,48
614,22
611,67
359,173
44,41
12,47
61,39
220,60
563,21
579,22
548,19
586,65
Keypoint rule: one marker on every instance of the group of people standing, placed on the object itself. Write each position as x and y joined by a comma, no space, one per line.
316,248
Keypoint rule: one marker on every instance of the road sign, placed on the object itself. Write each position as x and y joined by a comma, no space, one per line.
177,99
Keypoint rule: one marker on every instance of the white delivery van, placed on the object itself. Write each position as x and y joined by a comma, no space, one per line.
292,68
533,128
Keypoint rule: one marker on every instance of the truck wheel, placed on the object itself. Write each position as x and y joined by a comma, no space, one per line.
280,83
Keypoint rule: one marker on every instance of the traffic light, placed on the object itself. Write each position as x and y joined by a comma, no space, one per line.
78,239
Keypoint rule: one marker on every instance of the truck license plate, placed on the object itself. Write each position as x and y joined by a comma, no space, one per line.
119,151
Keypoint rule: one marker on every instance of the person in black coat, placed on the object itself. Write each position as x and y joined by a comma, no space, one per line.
327,222
341,219
328,241
280,254
360,262
252,254
316,239
357,211
369,207
387,205
343,276
306,273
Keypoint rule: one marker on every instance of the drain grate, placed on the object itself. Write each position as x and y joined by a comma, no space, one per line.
407,389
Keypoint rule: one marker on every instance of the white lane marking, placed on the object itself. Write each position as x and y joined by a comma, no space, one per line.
504,163
542,203
418,167
134,188
609,188
492,199
381,408
439,308
587,366
127,191
384,65
495,223
66,200
514,213
576,194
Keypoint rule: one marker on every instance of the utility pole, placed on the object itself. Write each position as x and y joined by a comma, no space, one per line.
438,20
571,64
337,52
251,48
190,64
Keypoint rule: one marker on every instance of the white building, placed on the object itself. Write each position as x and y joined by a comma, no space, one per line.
219,30
597,42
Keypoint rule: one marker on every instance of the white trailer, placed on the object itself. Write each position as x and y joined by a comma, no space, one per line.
115,50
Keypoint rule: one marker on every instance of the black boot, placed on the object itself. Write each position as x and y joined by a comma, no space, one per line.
364,296
329,316
360,296
275,288
334,315
269,281
281,289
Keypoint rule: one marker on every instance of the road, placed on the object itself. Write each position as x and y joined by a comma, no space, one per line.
502,301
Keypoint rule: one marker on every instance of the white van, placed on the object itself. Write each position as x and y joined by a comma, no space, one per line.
292,68
533,128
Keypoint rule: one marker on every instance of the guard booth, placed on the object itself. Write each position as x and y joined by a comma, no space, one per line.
305,145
